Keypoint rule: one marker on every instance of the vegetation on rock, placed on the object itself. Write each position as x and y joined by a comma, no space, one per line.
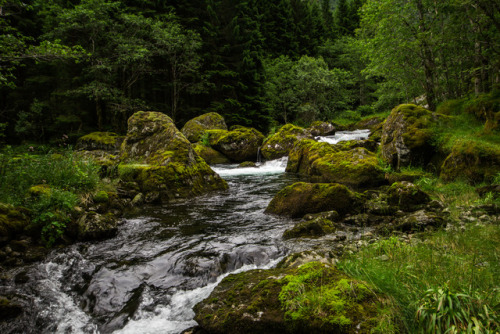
195,128
281,143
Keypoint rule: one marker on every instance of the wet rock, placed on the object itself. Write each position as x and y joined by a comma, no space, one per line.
138,200
247,164
302,198
158,158
406,196
240,144
475,161
267,301
280,144
9,309
94,226
211,156
320,128
310,228
195,129
323,162
406,136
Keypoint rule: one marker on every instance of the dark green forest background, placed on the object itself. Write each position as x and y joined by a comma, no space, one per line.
68,67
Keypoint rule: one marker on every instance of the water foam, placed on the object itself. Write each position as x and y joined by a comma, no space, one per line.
345,135
178,315
269,167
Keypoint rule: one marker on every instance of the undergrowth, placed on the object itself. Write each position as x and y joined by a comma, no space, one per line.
62,179
448,283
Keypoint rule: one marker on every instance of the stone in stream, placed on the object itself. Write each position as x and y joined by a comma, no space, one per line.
159,159
320,128
239,145
195,128
301,198
323,162
284,300
280,144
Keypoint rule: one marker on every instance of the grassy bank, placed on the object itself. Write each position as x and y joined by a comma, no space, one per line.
48,183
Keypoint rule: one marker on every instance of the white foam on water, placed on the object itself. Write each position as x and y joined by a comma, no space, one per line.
178,315
269,167
344,136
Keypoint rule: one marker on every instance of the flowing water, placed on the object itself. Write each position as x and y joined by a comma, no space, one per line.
345,135
160,264
148,277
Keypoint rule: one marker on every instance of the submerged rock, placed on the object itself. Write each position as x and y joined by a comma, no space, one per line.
159,159
323,162
239,145
284,300
301,198
406,136
195,129
280,144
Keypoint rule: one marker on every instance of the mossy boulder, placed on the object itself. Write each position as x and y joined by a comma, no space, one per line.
315,227
406,136
486,107
323,162
320,128
248,164
13,221
101,197
40,190
406,196
475,161
100,141
239,145
301,198
280,144
195,129
285,300
95,226
211,156
372,123
157,157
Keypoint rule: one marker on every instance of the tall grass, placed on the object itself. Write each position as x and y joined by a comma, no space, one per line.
461,269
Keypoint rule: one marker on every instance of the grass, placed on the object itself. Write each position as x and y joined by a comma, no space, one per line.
49,184
450,278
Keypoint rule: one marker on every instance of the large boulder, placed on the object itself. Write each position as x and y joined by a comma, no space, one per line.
301,198
323,162
211,156
285,300
94,226
157,157
406,196
474,161
196,128
280,144
406,136
239,145
320,128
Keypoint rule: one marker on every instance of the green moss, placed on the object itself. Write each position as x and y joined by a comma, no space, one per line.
106,138
320,297
280,144
197,127
12,220
101,197
474,161
240,144
211,156
40,189
310,228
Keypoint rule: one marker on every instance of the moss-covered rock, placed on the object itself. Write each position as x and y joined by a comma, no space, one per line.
407,196
211,156
416,222
320,128
280,144
310,228
39,190
101,197
372,123
196,128
101,141
159,159
13,221
474,161
406,136
9,309
100,157
94,226
329,163
301,198
240,144
248,164
313,298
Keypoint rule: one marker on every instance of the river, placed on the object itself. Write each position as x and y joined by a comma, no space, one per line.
161,263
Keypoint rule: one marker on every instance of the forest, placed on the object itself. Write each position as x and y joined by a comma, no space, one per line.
68,67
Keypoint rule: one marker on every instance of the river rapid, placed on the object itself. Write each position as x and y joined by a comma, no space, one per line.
161,263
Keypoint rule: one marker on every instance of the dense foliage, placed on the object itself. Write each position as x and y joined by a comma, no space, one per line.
71,66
